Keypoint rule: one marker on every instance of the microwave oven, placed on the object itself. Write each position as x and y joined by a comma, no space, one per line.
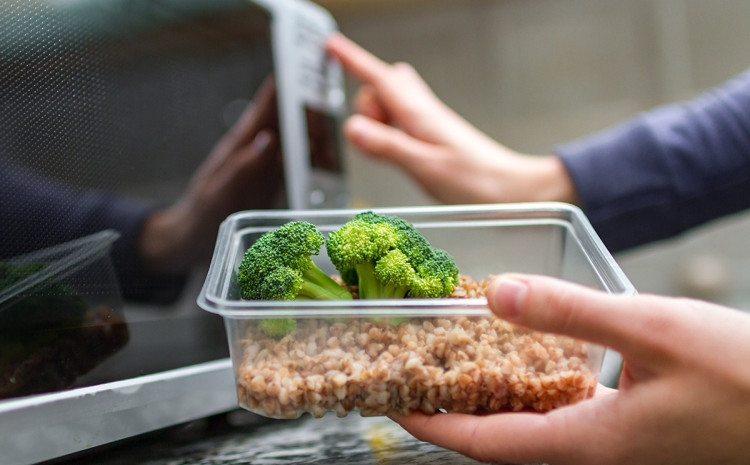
123,99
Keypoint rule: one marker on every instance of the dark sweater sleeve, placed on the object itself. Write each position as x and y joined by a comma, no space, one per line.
38,212
667,170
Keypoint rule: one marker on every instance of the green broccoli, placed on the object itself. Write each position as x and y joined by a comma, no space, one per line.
279,266
388,258
277,327
11,273
50,305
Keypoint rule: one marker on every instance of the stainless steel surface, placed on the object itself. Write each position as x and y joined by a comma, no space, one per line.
326,441
43,427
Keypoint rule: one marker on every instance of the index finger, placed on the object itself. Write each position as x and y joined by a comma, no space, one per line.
259,114
356,60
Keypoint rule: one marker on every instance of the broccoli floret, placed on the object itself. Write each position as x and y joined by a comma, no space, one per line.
11,273
437,277
279,266
277,327
388,258
51,305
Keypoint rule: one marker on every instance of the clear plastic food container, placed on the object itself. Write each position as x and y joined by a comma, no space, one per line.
450,354
60,315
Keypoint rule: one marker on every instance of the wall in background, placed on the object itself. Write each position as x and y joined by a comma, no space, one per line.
535,73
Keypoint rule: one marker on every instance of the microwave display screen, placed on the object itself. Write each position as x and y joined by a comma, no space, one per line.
323,139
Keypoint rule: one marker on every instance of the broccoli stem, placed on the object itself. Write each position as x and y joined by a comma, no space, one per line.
371,288
277,327
318,285
394,292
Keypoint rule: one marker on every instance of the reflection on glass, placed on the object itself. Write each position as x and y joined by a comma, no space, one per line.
108,108
60,315
322,131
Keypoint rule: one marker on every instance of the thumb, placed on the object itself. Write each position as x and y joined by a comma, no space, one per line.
633,325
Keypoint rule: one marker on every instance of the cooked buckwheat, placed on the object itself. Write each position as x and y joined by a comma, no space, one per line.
456,364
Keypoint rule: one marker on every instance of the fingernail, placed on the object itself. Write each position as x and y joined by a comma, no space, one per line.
505,296
356,127
261,141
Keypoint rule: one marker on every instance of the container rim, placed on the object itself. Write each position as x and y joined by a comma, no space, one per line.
608,271
356,307
73,255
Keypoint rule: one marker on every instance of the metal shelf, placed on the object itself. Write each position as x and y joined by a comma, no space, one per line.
43,427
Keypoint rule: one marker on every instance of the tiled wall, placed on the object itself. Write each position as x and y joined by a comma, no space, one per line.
534,73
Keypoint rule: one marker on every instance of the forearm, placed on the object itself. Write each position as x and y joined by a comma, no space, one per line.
667,170
39,213
518,177
162,243
548,179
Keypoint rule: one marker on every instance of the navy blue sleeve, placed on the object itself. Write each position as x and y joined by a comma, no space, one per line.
38,212
667,170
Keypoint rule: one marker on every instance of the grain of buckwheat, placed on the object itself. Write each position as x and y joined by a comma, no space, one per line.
456,364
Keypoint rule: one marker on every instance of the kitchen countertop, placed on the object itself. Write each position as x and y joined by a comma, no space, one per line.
242,438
